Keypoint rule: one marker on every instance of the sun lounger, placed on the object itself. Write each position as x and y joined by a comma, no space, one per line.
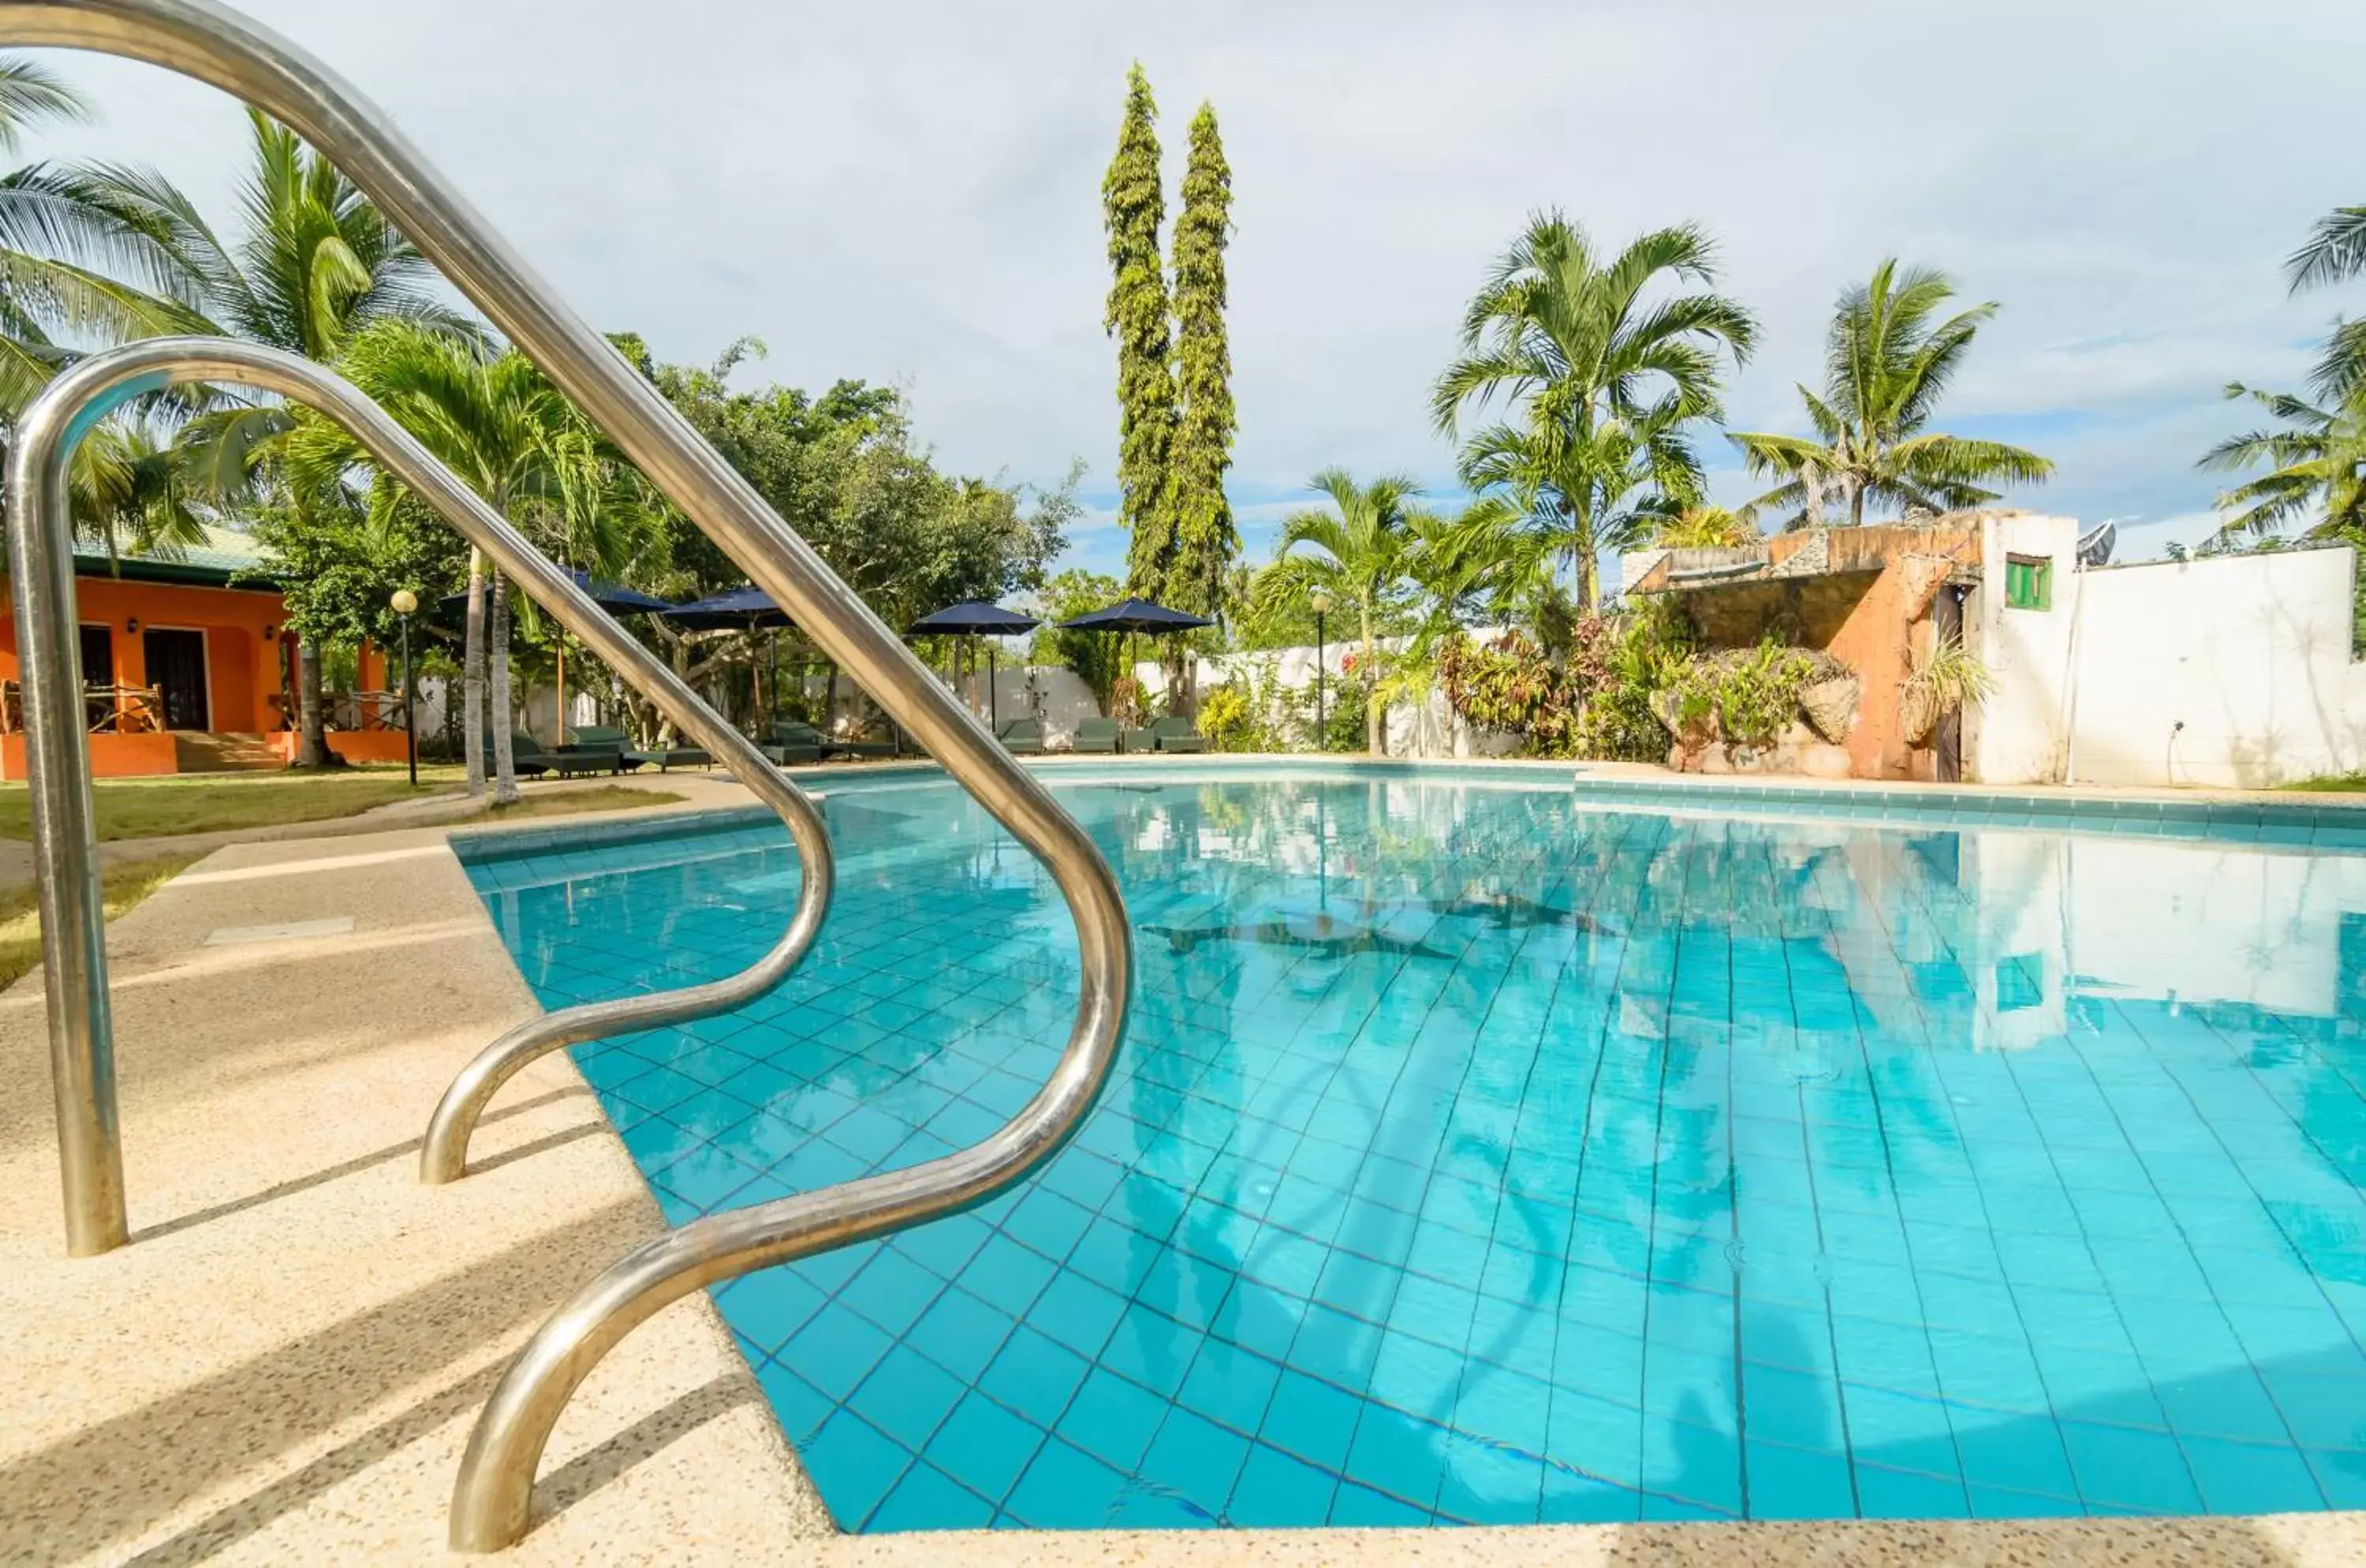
1098,737
1023,736
1171,735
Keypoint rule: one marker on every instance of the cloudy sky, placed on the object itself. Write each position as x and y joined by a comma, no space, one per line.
911,194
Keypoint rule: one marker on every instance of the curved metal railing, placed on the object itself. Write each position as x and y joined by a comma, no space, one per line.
491,1503
59,766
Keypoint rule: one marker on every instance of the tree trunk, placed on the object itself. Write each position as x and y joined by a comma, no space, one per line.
1376,718
472,738
312,730
505,789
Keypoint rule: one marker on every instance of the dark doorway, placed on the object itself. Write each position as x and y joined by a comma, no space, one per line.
176,665
1947,620
98,656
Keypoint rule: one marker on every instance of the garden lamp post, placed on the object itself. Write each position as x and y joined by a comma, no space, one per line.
406,604
1320,600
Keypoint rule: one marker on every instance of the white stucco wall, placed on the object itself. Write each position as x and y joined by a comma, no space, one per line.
2230,670
2021,734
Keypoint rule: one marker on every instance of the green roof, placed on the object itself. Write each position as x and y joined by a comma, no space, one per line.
225,554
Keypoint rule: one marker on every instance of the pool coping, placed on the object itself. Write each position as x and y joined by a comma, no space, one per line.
2258,818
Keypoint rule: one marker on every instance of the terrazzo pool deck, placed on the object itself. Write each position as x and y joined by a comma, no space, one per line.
284,1364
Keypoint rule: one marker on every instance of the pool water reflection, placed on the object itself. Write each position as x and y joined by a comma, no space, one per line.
1476,1154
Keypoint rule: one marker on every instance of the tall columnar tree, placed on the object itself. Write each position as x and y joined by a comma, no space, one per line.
1205,537
1132,209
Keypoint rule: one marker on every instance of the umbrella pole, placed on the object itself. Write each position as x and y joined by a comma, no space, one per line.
993,697
563,686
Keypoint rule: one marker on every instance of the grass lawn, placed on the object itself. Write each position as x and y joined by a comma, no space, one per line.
125,885
2343,784
206,803
567,803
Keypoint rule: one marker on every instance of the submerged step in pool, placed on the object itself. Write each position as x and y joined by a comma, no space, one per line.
1481,1153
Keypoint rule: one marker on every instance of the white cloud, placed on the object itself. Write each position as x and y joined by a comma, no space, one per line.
911,194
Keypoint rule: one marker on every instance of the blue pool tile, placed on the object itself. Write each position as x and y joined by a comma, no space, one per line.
928,1499
2130,1469
1885,1493
1274,1491
1112,1417
1034,1376
1788,1483
852,1464
1729,1200
1066,1488
1231,1385
984,1447
907,1395
1195,1460
960,1332
1311,1420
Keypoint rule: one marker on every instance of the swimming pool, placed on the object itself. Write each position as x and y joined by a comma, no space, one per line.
1499,1154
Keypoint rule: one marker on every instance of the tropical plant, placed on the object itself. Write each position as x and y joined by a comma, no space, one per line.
1133,206
2316,467
494,419
1885,365
1224,716
1361,552
1948,679
1205,539
1098,658
2336,251
1704,528
317,261
1601,384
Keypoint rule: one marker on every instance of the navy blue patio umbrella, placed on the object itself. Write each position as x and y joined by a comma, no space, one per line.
1131,615
744,609
747,609
974,617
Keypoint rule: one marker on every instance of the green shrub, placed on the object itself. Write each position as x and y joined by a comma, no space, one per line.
1224,718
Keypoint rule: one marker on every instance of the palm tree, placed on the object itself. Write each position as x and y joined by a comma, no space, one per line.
495,420
2317,470
2336,251
1362,552
1885,365
317,261
1601,385
1704,528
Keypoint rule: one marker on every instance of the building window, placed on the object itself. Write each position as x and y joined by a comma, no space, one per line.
2028,582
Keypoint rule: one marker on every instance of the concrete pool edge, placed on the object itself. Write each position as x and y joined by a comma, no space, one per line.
680,1497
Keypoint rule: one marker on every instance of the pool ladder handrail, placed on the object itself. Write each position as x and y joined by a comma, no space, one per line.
492,1498
83,1030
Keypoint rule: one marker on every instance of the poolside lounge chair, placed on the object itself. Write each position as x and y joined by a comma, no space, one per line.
1171,735
670,757
1097,736
598,740
1023,736
527,758
896,748
792,742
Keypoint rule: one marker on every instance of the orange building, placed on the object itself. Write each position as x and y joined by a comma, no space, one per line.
185,672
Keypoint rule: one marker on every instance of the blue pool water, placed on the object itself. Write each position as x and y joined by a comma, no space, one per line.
1479,1153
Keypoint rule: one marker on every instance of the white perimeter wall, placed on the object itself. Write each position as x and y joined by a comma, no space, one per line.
2021,734
2231,670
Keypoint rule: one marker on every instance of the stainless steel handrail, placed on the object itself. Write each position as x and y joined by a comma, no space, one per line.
81,1025
492,1500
